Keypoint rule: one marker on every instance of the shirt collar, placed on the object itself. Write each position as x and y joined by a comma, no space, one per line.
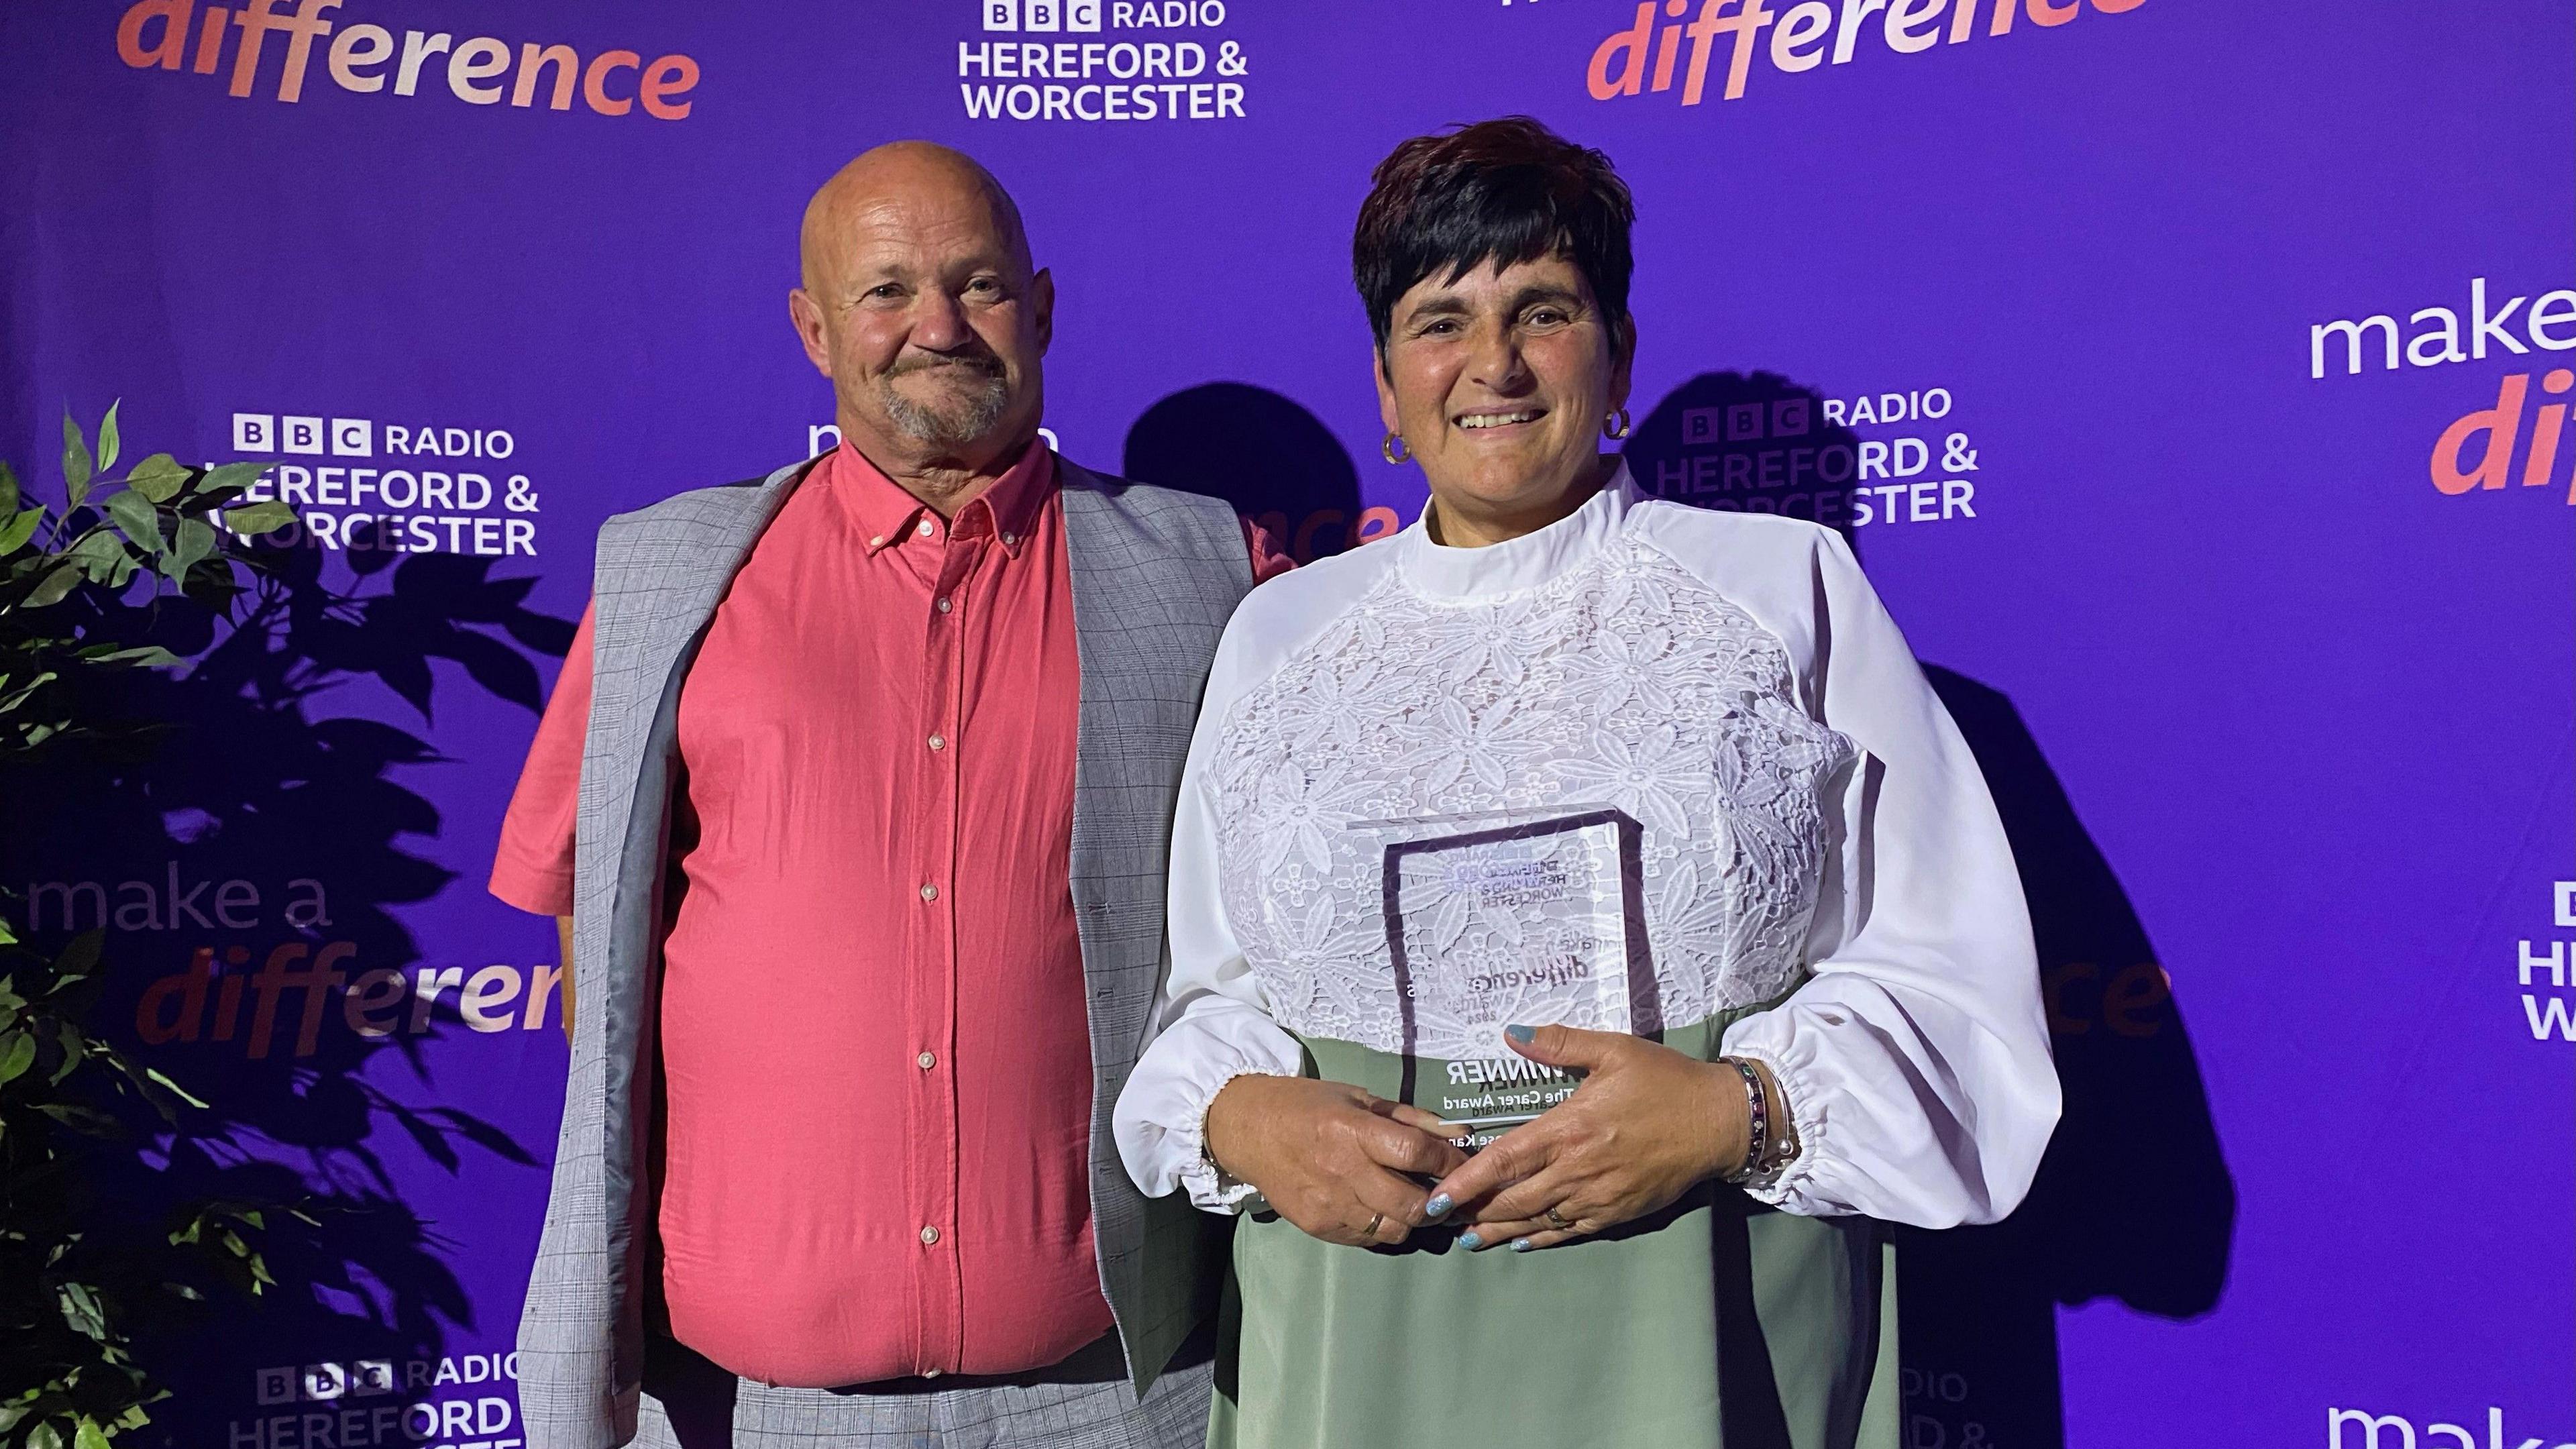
887,516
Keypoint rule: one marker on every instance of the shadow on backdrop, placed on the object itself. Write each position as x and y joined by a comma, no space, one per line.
286,1012
1274,461
2133,1201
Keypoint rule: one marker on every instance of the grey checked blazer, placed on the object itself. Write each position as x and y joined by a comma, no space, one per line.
1155,575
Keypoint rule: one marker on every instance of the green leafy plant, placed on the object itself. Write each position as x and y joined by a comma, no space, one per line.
81,585
87,591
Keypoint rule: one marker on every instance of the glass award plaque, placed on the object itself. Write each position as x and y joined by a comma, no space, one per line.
1508,918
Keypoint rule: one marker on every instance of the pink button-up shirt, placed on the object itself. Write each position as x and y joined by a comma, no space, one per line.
874,1038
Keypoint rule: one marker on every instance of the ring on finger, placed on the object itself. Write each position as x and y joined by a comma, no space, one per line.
1560,1223
1376,1221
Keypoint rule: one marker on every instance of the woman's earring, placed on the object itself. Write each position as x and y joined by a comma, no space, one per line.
1394,451
1615,428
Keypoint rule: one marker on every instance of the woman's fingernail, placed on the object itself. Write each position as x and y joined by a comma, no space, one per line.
1520,1245
1470,1242
1522,1034
1438,1207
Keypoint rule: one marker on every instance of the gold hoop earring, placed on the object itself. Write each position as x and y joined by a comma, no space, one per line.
1615,428
1394,451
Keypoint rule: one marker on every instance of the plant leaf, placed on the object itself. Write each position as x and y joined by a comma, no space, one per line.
56,584
180,1092
18,530
108,442
146,656
44,1436
233,475
76,464
91,1436
255,518
157,477
99,553
135,514
12,701
80,953
196,539
82,1119
17,1053
75,1051
8,488
81,1311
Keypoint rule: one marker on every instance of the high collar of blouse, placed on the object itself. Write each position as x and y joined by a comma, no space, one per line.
1519,564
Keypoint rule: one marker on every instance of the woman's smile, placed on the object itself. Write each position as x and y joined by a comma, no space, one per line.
1500,422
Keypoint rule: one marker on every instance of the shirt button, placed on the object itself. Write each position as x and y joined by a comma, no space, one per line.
929,1236
923,528
877,542
930,1373
943,606
927,1060
930,893
939,742
1010,540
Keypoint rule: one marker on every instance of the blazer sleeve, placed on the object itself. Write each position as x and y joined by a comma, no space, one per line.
1210,1022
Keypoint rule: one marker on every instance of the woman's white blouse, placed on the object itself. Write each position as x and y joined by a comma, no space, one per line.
1731,682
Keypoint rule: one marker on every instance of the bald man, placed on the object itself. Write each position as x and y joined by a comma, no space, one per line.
853,799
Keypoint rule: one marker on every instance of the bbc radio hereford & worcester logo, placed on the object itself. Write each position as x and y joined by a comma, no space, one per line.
1894,457
364,485
460,1400
1102,61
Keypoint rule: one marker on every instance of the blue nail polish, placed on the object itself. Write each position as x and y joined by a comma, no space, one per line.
1469,1241
1522,1034
1520,1245
1438,1207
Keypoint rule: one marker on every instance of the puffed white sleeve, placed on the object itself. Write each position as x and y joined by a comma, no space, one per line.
1916,1060
1210,1024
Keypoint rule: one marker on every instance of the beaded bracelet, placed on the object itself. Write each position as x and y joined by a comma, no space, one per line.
1757,1104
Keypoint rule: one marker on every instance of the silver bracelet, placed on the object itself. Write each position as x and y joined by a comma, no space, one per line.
1757,1106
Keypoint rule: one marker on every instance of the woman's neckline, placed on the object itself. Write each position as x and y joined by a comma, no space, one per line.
1515,565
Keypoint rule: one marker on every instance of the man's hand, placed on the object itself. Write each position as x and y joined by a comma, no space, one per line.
1646,1125
1330,1157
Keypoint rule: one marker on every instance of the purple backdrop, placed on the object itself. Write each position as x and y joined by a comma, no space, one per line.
2259,623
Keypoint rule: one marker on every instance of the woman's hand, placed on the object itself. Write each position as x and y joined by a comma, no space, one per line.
1646,1125
1330,1157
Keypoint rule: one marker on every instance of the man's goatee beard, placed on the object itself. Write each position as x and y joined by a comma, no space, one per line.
950,427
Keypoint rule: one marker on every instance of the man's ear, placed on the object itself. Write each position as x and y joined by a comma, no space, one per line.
807,315
1042,303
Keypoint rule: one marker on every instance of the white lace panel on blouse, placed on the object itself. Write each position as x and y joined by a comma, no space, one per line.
1623,681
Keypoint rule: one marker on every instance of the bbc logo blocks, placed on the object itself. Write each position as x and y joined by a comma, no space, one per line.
1080,16
270,433
322,1382
1742,422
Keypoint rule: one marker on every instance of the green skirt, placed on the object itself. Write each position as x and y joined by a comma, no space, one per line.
1716,1323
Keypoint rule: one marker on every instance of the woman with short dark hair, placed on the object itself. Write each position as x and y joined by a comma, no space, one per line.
1619,842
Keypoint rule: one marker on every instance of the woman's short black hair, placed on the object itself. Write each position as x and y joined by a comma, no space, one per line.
1503,191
